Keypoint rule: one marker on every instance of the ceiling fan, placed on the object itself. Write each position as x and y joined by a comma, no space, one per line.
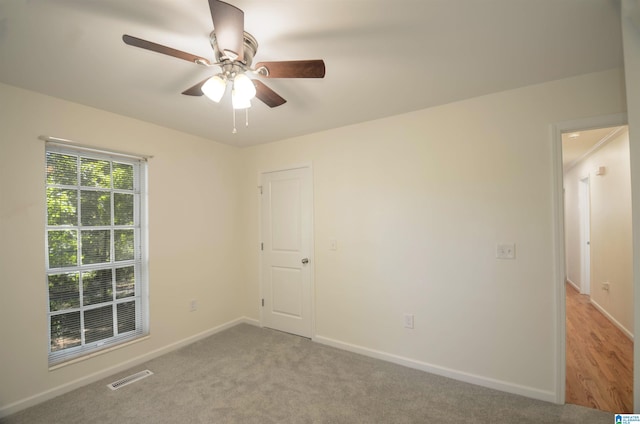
234,50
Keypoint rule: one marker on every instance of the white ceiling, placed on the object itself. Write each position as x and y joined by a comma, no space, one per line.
383,57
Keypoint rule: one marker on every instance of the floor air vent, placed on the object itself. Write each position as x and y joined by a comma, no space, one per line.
129,379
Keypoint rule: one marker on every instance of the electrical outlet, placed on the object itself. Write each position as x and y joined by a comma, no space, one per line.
506,251
605,286
333,244
193,305
408,320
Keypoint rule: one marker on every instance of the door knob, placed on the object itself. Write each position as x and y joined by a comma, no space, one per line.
305,261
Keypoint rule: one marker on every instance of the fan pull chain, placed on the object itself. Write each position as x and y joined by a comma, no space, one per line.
246,120
234,123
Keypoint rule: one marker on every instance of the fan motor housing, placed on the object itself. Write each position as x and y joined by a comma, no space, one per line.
250,49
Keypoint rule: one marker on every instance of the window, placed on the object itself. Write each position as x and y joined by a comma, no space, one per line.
96,261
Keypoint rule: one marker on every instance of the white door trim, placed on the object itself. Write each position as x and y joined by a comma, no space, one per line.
559,271
312,256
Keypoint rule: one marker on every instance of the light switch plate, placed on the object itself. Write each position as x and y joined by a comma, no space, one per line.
506,251
408,321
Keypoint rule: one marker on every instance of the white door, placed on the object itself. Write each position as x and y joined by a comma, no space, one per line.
585,235
286,251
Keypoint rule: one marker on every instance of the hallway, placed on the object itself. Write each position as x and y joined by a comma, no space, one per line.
599,358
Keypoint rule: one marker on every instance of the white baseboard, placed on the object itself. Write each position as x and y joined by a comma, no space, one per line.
17,406
251,321
411,363
491,383
577,287
614,321
604,312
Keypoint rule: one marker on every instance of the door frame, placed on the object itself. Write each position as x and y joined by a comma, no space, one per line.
559,254
311,265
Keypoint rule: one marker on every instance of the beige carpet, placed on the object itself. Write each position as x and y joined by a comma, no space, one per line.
252,375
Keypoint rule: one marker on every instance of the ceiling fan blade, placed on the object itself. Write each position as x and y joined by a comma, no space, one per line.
267,95
228,26
159,48
196,90
292,69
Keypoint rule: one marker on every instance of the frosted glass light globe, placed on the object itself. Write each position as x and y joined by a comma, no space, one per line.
214,88
238,101
244,87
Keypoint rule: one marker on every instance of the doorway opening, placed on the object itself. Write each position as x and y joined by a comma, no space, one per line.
598,257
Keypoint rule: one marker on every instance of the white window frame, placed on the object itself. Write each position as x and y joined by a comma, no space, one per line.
140,261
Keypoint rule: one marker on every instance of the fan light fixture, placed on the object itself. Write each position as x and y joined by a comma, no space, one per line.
241,94
242,91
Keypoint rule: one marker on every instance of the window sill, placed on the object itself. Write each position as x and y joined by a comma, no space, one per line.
97,353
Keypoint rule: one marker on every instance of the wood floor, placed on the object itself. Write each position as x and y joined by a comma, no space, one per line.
599,358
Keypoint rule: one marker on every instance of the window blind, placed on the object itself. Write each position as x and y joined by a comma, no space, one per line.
95,250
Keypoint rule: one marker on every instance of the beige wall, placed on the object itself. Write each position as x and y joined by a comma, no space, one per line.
193,220
611,241
417,204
